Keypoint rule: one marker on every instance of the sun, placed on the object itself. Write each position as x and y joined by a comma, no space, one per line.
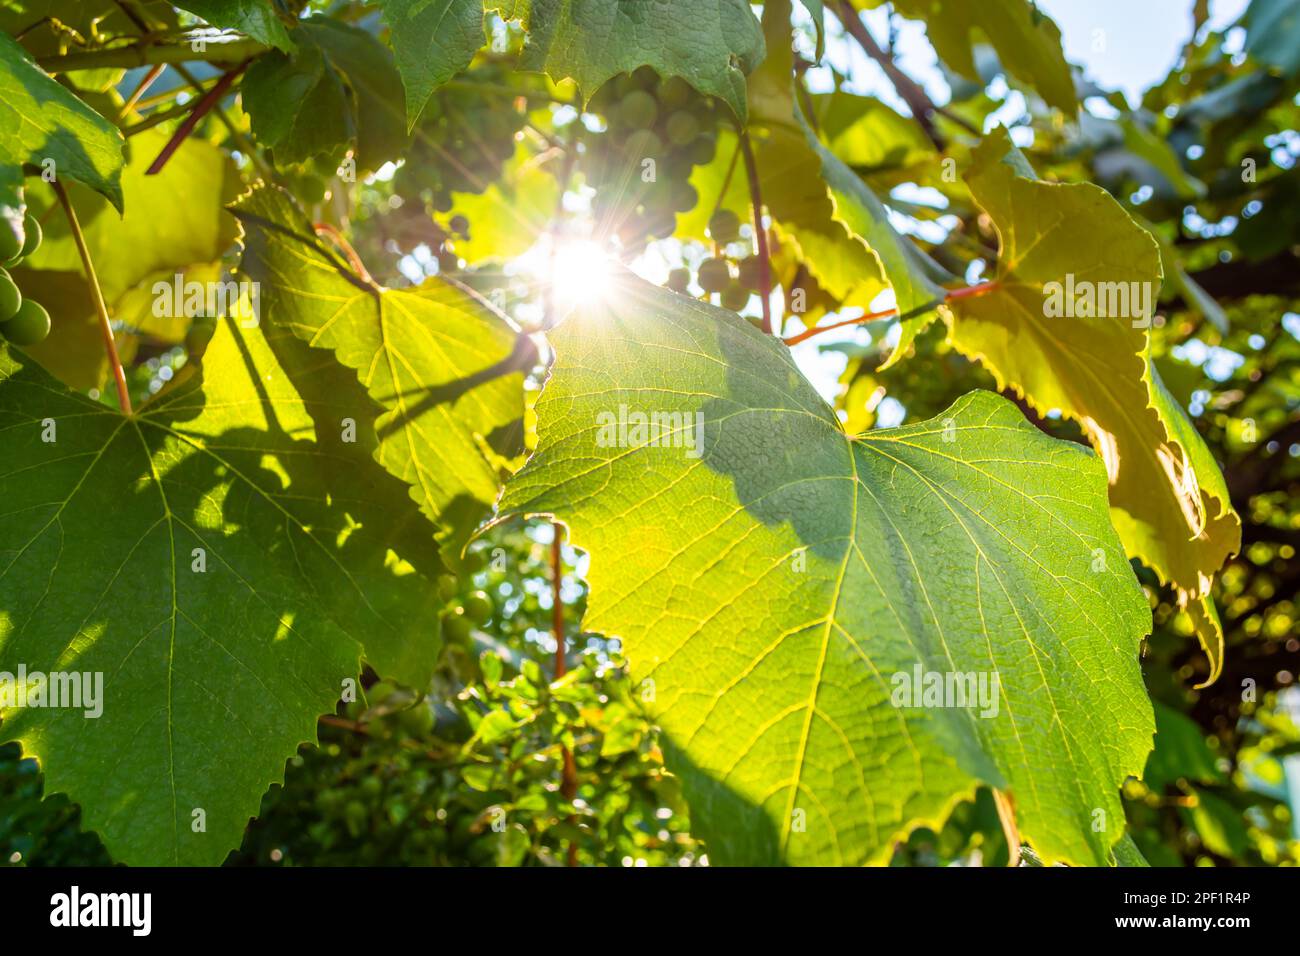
582,273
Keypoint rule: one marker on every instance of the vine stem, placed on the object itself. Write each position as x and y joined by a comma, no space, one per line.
569,775
201,108
150,54
354,260
756,200
966,292
1007,816
141,88
97,297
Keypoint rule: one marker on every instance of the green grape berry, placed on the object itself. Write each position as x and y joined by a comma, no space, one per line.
417,721
674,92
724,226
9,244
714,275
478,607
380,691
703,149
456,629
682,128
29,325
448,586
679,280
747,270
199,335
638,110
34,236
10,297
644,144
734,297
311,189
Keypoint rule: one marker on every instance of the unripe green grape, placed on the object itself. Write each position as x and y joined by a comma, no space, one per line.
646,78
747,270
34,236
311,189
714,275
643,144
478,607
10,297
475,561
638,110
199,335
380,691
703,149
674,92
9,244
29,325
735,297
456,629
683,196
418,720
679,280
724,226
682,128
448,586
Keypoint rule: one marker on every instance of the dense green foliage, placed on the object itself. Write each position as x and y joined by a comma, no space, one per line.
320,320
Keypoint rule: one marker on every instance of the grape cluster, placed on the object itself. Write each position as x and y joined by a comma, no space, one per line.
462,142
22,321
648,118
733,278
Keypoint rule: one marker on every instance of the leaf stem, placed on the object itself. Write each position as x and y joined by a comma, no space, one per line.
97,298
966,292
150,54
917,100
354,260
201,108
756,200
569,774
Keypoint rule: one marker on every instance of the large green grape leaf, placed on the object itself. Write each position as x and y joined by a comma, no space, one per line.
340,86
712,44
1169,500
776,580
212,674
1027,42
433,40
440,364
41,122
257,18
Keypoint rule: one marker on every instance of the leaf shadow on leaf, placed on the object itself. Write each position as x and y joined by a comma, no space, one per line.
313,558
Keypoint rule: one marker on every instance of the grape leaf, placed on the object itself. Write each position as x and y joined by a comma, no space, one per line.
433,40
1027,42
174,222
41,122
772,588
590,41
840,226
211,678
439,363
257,18
340,86
1168,498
